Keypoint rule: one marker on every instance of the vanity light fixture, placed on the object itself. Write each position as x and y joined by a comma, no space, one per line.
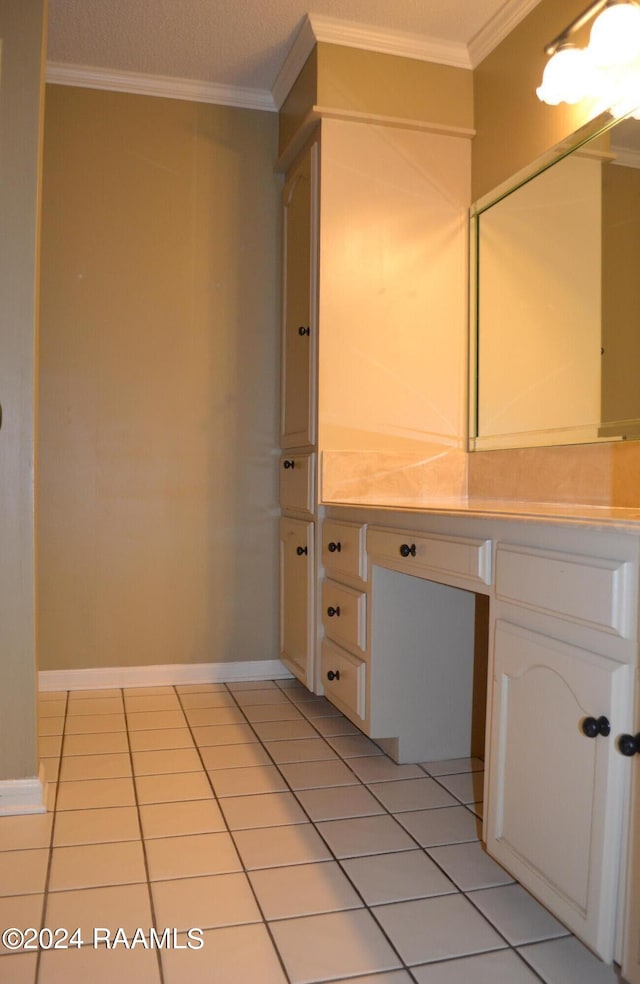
608,69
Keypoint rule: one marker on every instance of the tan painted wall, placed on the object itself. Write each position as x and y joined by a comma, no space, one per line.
513,128
158,382
22,31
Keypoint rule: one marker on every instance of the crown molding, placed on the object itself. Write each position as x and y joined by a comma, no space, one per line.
496,30
293,64
86,77
625,156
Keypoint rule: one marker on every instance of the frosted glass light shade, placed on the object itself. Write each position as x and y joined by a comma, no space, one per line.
567,77
615,35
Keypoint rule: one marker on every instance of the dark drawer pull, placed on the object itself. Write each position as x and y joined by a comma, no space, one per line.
335,547
333,676
408,551
289,464
629,744
592,727
303,331
331,611
301,551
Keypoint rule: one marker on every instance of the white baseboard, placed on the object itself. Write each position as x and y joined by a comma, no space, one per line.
22,795
100,678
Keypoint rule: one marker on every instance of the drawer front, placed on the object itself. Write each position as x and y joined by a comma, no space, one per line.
345,680
344,614
343,549
297,482
418,554
582,589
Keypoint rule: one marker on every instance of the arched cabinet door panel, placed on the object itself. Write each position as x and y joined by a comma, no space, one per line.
556,795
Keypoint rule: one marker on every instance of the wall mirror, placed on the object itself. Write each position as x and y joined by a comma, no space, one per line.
556,345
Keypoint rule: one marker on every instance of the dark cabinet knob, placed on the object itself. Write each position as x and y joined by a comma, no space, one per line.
303,331
301,551
333,676
593,727
331,611
408,551
629,744
289,463
335,547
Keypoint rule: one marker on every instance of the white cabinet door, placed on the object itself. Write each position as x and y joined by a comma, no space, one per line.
556,797
297,579
631,956
299,314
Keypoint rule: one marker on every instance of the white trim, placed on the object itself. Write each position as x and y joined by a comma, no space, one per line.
390,42
22,795
191,90
293,64
626,156
399,122
100,678
496,30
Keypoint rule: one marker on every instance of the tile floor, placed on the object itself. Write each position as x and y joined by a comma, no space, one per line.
260,815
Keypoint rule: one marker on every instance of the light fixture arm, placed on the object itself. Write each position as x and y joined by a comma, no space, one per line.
575,25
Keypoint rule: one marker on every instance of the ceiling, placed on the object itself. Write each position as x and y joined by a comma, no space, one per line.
242,45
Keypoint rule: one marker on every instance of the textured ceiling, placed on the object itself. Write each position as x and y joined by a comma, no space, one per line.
234,42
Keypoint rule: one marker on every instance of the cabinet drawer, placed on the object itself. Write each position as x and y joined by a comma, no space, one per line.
345,680
344,614
583,589
297,482
343,549
417,554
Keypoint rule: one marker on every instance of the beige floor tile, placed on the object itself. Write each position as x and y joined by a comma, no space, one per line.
162,761
206,701
222,734
215,699
272,712
450,825
466,787
379,768
49,746
94,694
112,743
411,794
148,691
338,725
96,705
309,775
48,726
517,915
23,872
94,793
104,766
99,826
206,902
234,756
176,819
19,968
284,730
469,866
303,890
392,977
318,708
200,717
353,746
152,720
302,750
244,782
567,961
173,787
437,929
50,769
202,688
449,767
90,865
191,856
100,965
20,832
248,698
237,686
365,835
52,708
501,967
144,741
397,877
45,695
232,955
339,802
85,724
340,944
150,702
275,846
109,907
20,911
264,810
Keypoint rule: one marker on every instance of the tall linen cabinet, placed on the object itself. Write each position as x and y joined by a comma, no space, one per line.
375,303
